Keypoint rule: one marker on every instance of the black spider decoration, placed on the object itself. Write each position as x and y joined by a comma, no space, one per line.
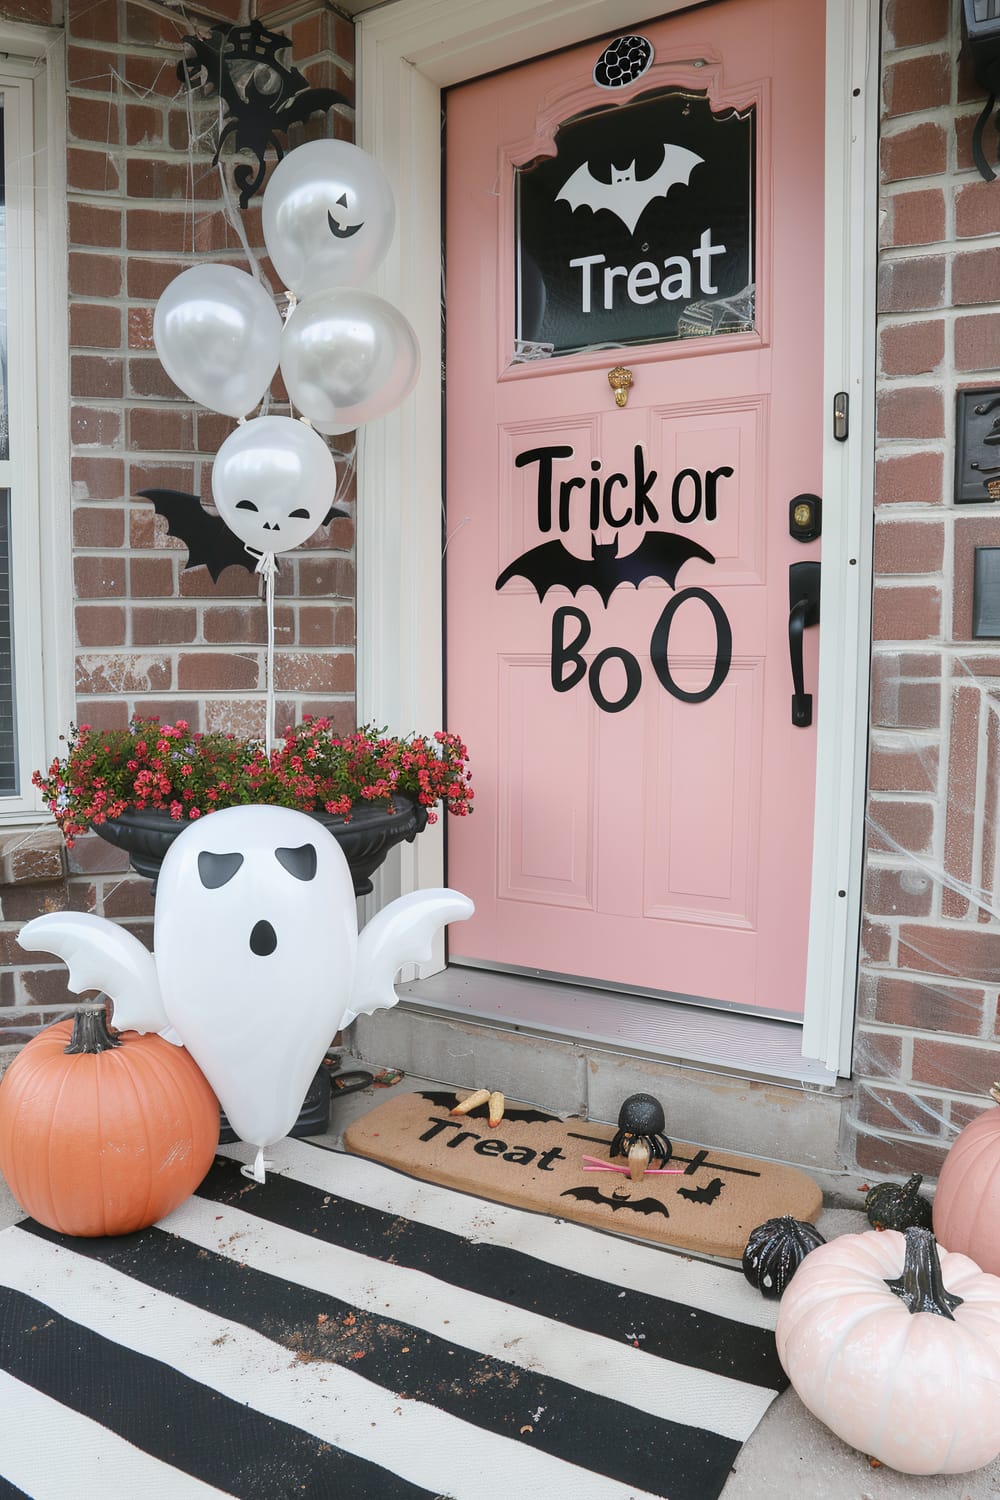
261,95
641,1119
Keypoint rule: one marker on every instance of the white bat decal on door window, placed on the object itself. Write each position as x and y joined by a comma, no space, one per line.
625,196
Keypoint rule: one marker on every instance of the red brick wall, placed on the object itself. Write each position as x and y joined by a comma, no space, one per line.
151,637
928,1038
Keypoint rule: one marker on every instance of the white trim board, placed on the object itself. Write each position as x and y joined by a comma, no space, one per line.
408,50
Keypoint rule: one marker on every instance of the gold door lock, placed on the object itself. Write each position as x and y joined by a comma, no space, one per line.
619,380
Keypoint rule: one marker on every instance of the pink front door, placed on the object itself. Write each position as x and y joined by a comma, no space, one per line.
634,284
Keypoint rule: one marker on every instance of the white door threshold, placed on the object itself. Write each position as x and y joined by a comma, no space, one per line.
747,1046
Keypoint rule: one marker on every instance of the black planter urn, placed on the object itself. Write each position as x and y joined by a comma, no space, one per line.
366,837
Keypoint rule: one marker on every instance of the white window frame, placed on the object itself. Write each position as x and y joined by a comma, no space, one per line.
33,83
408,51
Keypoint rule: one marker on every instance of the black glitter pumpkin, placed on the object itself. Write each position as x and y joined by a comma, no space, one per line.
891,1205
775,1251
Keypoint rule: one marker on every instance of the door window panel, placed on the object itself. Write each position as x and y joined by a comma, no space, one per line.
640,230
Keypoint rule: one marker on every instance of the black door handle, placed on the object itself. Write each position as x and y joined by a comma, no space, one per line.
803,602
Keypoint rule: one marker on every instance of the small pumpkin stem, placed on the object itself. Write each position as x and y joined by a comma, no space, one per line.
90,1031
921,1285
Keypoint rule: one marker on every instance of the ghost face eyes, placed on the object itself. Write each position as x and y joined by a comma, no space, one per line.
215,870
274,524
300,862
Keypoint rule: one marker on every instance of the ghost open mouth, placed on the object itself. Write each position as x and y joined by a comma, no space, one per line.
263,939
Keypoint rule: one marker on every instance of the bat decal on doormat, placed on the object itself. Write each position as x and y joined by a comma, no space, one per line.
642,1206
706,1194
660,554
626,196
482,1111
209,541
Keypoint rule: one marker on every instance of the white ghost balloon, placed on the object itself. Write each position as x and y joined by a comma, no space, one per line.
257,960
217,333
273,482
328,216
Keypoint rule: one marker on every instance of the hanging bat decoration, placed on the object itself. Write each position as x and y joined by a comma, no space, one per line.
261,96
642,1206
660,554
706,1194
626,196
209,541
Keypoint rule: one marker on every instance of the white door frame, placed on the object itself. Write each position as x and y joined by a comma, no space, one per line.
408,51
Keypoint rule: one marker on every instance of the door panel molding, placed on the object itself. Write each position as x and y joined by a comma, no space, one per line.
407,51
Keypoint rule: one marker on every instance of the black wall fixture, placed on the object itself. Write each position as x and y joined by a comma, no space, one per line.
981,32
261,95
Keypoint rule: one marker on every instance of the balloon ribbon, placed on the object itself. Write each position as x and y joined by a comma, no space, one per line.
267,568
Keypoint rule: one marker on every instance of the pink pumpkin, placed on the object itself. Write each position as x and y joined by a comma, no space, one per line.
967,1201
896,1350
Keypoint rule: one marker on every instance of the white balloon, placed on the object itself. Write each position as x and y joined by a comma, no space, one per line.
273,482
217,333
347,357
328,216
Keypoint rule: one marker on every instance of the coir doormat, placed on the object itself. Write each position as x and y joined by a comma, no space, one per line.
537,1161
344,1331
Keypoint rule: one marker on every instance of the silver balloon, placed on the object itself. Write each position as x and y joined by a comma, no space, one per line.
273,482
347,357
328,216
217,333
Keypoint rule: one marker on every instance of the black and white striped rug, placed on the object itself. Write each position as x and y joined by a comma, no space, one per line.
344,1332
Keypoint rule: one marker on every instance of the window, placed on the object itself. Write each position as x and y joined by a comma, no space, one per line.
35,588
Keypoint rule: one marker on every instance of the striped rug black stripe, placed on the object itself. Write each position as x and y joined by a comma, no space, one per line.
188,1425
327,1334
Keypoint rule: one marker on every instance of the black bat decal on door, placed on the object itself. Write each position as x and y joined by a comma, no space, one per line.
642,1206
660,554
626,196
209,541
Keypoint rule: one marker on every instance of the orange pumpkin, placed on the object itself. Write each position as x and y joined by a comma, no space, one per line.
103,1135
967,1200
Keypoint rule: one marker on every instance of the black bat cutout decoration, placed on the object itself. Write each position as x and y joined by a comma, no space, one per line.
642,1206
261,95
660,554
482,1111
209,541
706,1194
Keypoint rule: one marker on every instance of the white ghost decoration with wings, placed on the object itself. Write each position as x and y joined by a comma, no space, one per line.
257,959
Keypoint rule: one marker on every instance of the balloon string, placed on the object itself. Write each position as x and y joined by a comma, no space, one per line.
267,568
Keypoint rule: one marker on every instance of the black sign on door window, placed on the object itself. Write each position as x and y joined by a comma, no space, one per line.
640,229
